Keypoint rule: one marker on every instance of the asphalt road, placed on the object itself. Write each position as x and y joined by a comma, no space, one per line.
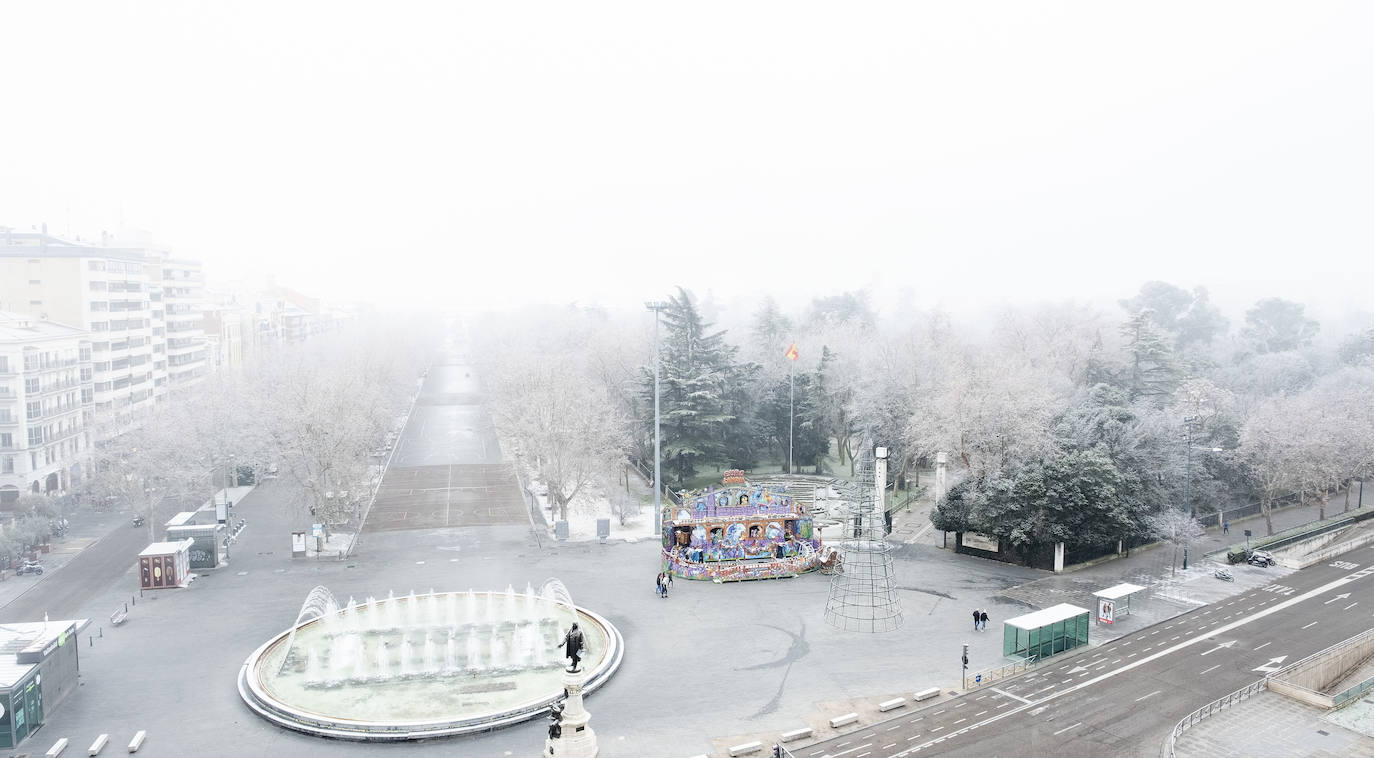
65,592
1124,698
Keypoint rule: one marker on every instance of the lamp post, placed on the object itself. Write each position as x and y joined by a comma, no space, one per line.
1188,477
657,307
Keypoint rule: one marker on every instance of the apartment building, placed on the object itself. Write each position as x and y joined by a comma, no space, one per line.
181,293
46,389
140,348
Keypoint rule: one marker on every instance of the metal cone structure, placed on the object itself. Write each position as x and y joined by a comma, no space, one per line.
863,595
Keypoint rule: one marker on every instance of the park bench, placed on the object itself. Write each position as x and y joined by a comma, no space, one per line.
118,617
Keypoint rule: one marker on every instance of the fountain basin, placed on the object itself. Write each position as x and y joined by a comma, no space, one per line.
418,667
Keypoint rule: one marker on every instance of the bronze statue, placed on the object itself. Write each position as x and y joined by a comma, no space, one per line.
573,645
556,721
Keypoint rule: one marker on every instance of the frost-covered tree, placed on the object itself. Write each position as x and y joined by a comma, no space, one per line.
1177,528
1189,318
1274,325
697,371
1151,369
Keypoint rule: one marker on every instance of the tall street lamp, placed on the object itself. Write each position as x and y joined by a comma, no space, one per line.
1188,477
657,307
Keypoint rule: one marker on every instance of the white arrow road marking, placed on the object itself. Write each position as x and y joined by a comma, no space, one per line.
1222,645
1272,665
1341,596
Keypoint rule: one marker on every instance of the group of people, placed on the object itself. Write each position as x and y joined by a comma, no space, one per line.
980,620
662,583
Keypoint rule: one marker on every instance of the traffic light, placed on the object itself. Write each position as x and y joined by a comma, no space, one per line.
777,751
966,654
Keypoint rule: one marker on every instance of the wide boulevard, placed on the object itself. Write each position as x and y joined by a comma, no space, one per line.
1124,697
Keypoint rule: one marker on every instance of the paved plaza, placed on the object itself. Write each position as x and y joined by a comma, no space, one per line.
711,666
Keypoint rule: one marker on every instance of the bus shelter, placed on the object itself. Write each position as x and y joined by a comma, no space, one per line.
1115,601
1046,632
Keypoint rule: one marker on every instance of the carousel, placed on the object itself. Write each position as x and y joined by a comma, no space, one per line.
739,531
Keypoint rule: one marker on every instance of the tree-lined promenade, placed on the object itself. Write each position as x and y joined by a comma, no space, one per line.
1063,422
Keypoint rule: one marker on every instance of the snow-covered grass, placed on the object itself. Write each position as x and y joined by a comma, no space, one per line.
593,504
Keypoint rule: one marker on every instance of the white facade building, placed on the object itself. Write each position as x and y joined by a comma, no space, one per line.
46,390
135,300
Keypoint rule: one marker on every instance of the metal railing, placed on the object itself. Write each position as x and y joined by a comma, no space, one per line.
1216,706
984,678
1341,698
1245,693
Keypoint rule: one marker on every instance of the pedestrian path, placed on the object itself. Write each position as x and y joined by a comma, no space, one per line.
1271,724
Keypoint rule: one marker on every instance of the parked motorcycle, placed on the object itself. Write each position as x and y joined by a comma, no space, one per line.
1261,559
29,567
1224,575
138,521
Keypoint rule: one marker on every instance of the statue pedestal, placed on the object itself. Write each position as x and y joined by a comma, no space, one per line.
577,739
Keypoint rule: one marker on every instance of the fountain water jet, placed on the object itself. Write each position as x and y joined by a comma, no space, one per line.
499,643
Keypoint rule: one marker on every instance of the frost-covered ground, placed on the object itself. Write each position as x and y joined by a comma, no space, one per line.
593,504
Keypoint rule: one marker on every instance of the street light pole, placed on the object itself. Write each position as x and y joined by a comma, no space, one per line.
657,307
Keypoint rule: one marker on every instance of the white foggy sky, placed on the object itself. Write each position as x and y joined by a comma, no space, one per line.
509,152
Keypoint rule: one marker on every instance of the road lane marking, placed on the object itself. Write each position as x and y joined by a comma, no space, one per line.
1288,603
976,715
1152,694
960,721
1311,624
1214,668
1008,694
1265,645
1352,605
1067,728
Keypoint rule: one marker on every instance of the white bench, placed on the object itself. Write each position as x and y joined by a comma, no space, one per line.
137,741
57,748
748,747
893,704
839,721
926,694
797,734
98,745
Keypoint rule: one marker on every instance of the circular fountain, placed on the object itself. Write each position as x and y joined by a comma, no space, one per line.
421,666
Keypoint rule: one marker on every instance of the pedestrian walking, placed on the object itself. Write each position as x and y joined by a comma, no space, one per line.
1226,527
983,616
658,584
977,616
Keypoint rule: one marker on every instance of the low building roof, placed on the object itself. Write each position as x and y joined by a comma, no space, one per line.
1047,616
1118,591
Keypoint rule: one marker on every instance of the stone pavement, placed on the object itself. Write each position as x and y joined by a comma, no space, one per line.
1270,724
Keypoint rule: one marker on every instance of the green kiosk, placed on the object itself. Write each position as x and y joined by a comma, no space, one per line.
1046,632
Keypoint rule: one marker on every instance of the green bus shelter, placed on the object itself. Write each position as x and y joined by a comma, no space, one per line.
1046,632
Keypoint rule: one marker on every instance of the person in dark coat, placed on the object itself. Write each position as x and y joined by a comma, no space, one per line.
977,616
983,617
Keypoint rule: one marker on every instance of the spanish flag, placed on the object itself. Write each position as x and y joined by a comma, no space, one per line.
792,353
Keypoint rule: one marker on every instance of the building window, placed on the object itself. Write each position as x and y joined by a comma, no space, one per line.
6,440
34,410
35,436
4,364
31,385
35,281
7,464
